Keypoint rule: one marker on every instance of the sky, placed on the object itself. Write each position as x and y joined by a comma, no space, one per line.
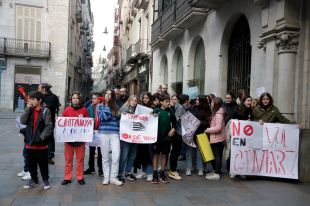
103,11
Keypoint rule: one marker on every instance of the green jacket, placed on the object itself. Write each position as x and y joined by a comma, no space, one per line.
271,115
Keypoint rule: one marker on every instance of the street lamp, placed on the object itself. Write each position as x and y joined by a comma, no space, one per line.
104,49
105,30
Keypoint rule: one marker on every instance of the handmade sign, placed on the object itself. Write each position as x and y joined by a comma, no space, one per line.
264,150
143,110
189,125
140,129
96,140
74,129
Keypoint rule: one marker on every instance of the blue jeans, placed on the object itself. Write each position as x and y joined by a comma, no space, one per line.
127,158
189,158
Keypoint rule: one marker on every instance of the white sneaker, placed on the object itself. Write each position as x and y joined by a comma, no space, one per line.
149,178
140,175
200,172
105,181
21,174
188,172
26,176
213,176
115,181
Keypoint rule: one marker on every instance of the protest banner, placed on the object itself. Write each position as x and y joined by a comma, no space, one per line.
96,140
74,129
264,150
189,125
140,129
140,109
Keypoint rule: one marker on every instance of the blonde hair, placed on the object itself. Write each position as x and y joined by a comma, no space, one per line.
130,98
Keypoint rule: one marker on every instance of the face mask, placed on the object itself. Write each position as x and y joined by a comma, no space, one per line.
75,102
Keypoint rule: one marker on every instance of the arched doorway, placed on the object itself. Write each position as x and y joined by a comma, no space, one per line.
239,57
164,72
199,67
179,73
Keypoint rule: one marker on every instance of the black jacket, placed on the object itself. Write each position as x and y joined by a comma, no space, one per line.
52,102
44,127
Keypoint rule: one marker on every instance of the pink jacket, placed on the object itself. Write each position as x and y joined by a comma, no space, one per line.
217,127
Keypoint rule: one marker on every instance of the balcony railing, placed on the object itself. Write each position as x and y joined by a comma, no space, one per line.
137,51
24,48
179,15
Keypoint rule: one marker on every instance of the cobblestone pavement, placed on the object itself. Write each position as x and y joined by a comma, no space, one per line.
192,190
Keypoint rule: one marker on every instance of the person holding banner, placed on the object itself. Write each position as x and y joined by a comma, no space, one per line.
109,137
75,110
202,112
144,155
265,111
166,129
217,136
96,99
128,150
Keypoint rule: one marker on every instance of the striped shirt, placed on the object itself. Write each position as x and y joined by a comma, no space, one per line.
109,124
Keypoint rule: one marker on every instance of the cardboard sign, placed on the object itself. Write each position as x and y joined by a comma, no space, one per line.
264,150
192,92
189,125
205,147
74,129
140,129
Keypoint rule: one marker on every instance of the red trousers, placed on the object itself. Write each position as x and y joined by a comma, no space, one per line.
79,154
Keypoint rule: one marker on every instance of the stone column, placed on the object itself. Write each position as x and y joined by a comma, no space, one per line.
286,43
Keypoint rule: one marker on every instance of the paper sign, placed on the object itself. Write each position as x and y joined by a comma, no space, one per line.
96,140
192,92
140,129
74,129
264,150
189,125
143,110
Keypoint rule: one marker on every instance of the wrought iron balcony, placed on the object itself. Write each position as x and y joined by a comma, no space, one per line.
24,48
137,51
141,4
179,15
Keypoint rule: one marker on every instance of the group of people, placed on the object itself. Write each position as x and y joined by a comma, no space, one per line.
118,160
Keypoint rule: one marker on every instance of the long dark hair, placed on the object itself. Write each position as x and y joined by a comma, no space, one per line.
203,108
112,102
241,108
265,94
217,104
150,103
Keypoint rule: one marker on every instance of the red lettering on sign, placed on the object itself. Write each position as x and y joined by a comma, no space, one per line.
248,130
235,128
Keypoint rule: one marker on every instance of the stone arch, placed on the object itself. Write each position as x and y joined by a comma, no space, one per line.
224,50
164,70
177,71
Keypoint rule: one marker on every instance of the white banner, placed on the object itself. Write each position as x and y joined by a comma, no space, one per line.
189,124
139,128
96,140
264,150
74,129
140,109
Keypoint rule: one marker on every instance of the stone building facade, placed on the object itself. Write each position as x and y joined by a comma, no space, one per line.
227,45
44,41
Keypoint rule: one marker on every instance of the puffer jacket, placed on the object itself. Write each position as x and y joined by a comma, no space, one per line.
217,127
43,130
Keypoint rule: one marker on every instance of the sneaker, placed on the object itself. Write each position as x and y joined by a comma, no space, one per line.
149,178
232,176
115,181
213,176
188,172
31,183
46,185
89,171
130,177
174,175
65,182
140,175
100,173
121,178
164,178
200,172
155,179
105,181
51,162
27,176
21,174
81,182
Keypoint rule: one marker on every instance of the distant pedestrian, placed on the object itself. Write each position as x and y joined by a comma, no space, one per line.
52,102
75,110
38,132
